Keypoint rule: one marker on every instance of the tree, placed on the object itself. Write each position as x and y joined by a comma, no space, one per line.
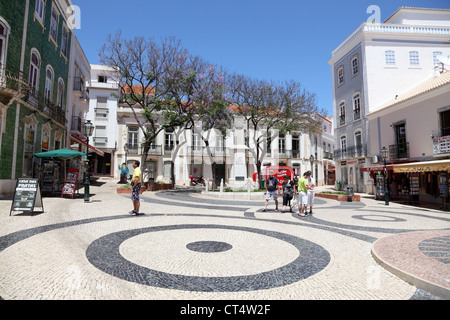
274,107
146,68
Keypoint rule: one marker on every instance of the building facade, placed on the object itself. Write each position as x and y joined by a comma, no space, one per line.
103,102
228,158
375,64
35,44
420,119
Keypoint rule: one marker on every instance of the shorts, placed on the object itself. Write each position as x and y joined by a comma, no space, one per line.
311,195
286,199
273,194
135,192
302,198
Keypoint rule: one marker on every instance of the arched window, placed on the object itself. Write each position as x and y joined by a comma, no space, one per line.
356,106
60,96
4,30
49,83
35,62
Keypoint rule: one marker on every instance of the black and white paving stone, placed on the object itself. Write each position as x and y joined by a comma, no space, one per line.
188,246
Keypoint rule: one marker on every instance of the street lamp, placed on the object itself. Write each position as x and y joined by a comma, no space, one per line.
88,128
384,155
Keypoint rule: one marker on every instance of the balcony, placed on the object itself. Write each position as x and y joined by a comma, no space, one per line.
351,152
80,88
441,145
12,83
399,151
342,120
356,114
40,102
101,141
328,155
289,154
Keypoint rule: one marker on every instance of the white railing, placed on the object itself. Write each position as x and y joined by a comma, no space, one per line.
393,28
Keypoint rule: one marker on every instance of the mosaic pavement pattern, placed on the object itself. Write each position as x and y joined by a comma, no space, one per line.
189,246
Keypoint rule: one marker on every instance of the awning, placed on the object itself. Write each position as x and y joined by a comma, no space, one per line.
377,168
60,153
91,148
424,166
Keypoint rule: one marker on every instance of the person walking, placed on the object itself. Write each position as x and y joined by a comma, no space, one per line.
302,195
311,192
123,173
288,193
136,187
271,190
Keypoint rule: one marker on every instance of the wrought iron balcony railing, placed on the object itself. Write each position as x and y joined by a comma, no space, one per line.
351,152
13,79
399,151
40,102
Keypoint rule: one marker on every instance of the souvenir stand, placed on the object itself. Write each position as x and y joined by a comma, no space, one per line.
54,178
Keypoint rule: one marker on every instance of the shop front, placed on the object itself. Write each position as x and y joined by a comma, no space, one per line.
426,181
414,182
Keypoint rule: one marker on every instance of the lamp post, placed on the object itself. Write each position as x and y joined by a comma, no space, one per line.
384,155
88,128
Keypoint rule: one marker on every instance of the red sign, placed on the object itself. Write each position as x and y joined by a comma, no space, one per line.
279,172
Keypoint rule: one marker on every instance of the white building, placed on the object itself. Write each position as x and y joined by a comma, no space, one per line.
376,63
77,96
231,154
423,115
103,96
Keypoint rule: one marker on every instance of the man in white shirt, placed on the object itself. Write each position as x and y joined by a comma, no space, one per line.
311,193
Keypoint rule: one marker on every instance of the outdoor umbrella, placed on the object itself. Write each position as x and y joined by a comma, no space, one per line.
61,153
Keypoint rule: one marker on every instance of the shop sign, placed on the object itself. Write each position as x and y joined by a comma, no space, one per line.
27,196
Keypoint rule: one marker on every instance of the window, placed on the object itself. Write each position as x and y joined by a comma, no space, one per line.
48,84
196,143
356,107
101,135
340,75
3,41
445,123
413,58
355,66
54,24
343,143
64,41
389,57
102,108
358,143
133,133
102,79
342,113
168,140
436,54
39,10
34,70
60,97
281,143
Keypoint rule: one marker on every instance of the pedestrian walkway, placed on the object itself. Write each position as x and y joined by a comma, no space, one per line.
192,246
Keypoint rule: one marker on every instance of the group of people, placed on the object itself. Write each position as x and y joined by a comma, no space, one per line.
302,189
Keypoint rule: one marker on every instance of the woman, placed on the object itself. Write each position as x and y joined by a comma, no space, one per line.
288,192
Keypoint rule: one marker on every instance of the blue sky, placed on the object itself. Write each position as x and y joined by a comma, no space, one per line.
273,40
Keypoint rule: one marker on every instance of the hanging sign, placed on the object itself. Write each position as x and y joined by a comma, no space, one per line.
27,196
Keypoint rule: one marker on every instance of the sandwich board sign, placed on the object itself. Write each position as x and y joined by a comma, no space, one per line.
27,196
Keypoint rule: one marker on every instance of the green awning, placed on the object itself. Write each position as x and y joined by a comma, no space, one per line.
61,153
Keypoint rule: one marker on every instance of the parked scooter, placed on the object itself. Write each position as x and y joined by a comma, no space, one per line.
196,181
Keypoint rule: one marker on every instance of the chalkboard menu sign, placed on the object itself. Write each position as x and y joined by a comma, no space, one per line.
27,196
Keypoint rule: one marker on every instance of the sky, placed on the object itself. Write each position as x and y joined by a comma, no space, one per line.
277,41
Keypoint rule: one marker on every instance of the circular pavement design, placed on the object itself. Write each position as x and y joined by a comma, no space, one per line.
104,254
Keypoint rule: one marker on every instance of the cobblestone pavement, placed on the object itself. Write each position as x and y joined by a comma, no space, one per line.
192,246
